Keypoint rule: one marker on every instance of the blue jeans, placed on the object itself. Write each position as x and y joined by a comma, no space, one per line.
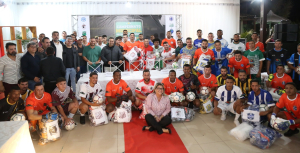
31,84
82,70
72,73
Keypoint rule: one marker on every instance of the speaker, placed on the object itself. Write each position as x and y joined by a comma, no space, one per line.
286,36
286,32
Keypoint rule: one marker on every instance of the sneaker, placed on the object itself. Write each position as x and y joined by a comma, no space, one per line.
82,119
223,116
291,132
236,122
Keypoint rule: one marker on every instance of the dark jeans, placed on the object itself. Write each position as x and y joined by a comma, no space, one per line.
82,70
50,86
8,87
151,121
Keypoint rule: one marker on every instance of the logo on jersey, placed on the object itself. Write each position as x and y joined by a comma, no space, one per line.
283,83
120,88
282,55
175,88
250,116
295,108
242,65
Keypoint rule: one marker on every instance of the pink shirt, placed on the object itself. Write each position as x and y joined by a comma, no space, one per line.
158,108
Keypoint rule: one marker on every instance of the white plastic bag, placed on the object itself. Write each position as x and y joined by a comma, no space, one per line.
49,130
241,132
132,54
181,114
143,113
97,115
123,113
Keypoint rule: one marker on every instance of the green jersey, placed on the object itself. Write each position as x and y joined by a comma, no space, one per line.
254,58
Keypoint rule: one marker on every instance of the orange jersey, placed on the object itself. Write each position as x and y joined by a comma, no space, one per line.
292,105
280,82
115,90
122,44
208,82
171,42
243,64
199,52
39,105
129,45
177,86
258,45
140,44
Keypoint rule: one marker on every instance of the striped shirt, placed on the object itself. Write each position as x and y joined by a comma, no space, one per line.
25,95
10,69
245,86
158,108
228,96
222,81
264,97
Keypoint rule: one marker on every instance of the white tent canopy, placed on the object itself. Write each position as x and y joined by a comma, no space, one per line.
55,15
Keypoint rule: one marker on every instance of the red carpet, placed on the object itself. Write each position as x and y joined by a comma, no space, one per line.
138,141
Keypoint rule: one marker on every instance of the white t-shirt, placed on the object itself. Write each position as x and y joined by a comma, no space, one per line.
101,46
240,46
88,92
224,42
166,54
59,50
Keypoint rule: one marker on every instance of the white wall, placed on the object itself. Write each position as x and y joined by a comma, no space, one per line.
196,14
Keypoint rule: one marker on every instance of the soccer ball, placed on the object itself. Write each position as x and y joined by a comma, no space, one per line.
177,97
263,107
228,56
98,99
157,55
190,96
204,90
70,126
18,117
298,70
175,65
286,68
276,122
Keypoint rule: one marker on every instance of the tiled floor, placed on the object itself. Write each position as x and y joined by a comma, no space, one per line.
205,134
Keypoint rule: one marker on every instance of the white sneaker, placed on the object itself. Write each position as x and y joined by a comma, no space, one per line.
223,116
236,122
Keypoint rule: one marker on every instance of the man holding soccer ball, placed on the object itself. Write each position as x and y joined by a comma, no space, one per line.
172,84
64,99
291,101
278,80
228,98
208,80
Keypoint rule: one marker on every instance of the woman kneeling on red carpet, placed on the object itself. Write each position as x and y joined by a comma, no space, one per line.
158,107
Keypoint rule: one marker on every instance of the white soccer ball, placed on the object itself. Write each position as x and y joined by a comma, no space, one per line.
190,96
276,122
298,70
98,99
175,65
263,107
157,54
176,97
204,91
286,68
18,117
70,126
230,55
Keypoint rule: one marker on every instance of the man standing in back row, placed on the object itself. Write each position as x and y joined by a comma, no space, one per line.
171,41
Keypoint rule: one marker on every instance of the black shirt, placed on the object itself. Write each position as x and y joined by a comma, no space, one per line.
30,66
52,68
7,110
69,58
80,50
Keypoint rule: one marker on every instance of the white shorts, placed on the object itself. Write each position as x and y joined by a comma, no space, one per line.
227,107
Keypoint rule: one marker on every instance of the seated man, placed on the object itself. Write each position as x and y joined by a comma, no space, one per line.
190,83
259,96
172,84
168,55
280,78
223,76
228,99
244,83
38,104
208,80
291,101
143,88
24,90
114,92
87,92
11,105
64,99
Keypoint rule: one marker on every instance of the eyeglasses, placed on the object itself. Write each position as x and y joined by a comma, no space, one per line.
160,88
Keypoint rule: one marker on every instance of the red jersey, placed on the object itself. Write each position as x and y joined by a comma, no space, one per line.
171,42
210,82
280,82
292,105
243,64
116,90
39,105
147,49
258,45
129,45
177,86
199,52
145,89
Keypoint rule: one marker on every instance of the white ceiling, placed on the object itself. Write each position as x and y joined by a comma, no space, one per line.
199,1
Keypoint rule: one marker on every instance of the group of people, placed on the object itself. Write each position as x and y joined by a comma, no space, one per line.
43,80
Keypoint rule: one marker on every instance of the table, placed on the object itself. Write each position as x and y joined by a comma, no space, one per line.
131,78
15,137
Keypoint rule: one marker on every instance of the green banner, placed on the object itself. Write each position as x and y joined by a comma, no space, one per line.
131,27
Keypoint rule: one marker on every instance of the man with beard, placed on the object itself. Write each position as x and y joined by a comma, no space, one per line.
237,63
57,45
220,55
24,90
10,68
198,41
258,45
30,65
243,82
42,50
203,50
92,55
280,78
173,84
224,42
140,42
168,55
236,44
191,84
276,56
223,76
143,88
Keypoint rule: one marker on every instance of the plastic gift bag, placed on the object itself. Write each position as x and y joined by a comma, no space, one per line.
123,113
49,130
185,59
181,114
251,114
263,137
132,55
143,113
150,61
276,93
242,131
97,115
202,62
206,104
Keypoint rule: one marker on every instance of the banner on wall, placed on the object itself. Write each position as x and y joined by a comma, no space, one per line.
135,27
170,21
83,28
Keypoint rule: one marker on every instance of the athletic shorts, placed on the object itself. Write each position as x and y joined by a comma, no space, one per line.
290,117
66,108
227,107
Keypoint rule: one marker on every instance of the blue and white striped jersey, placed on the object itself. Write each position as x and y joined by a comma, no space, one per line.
228,96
